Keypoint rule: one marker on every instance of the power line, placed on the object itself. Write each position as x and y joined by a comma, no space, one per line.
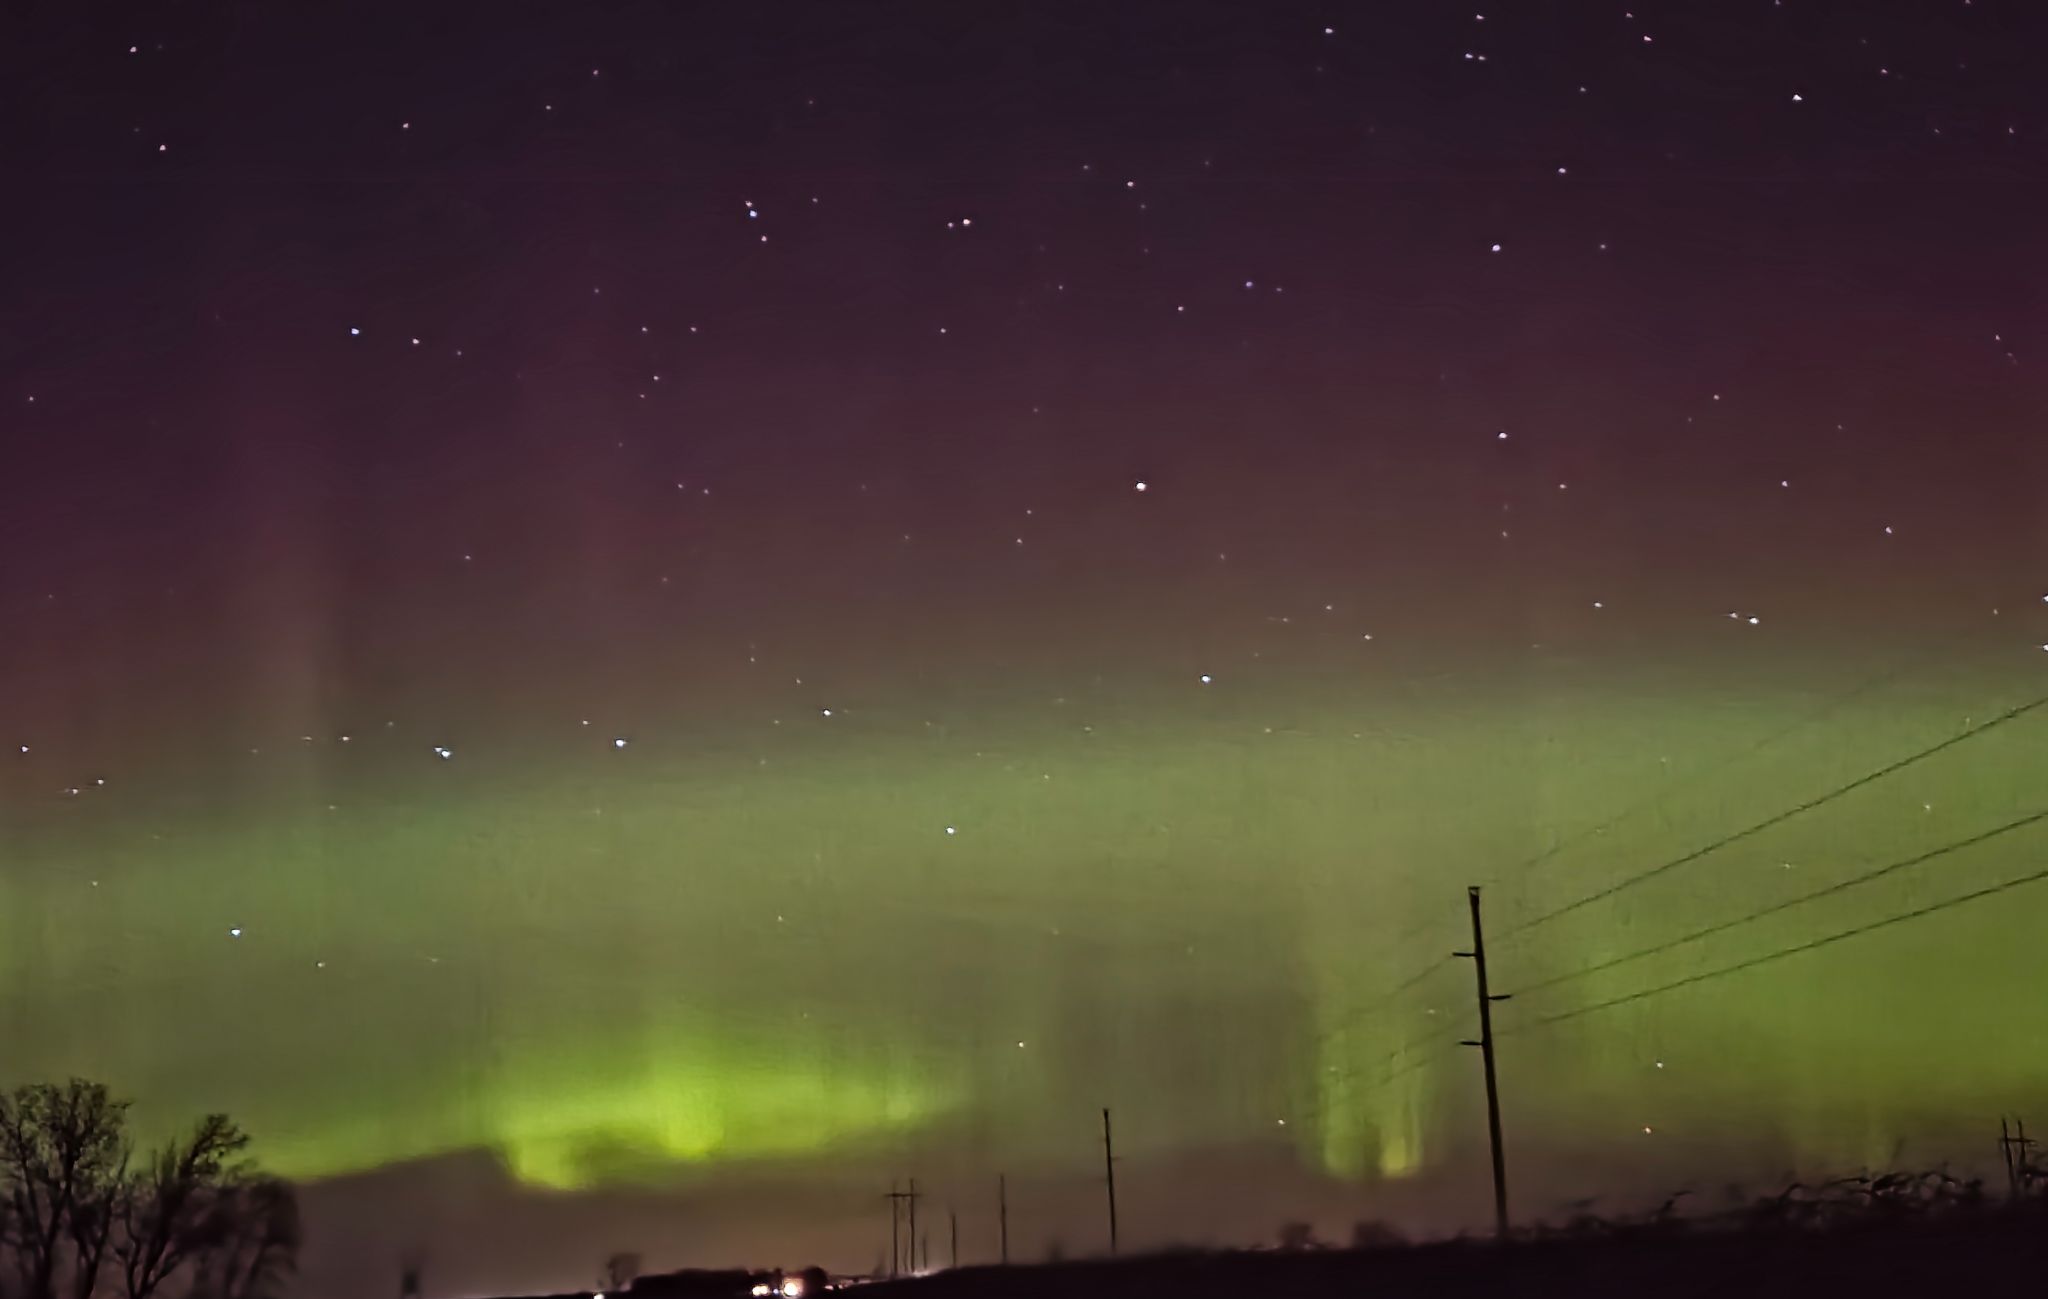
1360,1013
1777,819
1441,1041
1839,936
1840,886
1826,710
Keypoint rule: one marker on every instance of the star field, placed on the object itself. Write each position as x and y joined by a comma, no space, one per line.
630,601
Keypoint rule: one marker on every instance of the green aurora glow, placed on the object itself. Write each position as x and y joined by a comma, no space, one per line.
643,965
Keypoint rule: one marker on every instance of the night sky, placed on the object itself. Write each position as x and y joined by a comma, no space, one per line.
618,626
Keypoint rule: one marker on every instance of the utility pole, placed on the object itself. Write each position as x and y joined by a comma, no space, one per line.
2012,1175
1003,1214
953,1221
895,1198
1109,1176
1485,1044
2013,1145
912,1197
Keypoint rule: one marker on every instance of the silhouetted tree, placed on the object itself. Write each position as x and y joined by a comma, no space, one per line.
62,1165
1298,1236
1370,1233
195,1215
252,1247
412,1265
181,1206
619,1271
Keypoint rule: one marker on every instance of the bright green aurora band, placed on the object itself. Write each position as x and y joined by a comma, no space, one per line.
616,965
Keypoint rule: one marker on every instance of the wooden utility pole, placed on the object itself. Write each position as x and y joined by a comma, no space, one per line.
895,1230
913,1197
2012,1175
1485,1044
2013,1146
1109,1176
1003,1214
953,1221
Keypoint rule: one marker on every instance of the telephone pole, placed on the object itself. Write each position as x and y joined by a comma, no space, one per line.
953,1221
1003,1214
895,1198
2013,1145
1485,1044
913,1197
1109,1172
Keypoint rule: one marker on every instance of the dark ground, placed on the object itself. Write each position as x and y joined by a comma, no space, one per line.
1978,1256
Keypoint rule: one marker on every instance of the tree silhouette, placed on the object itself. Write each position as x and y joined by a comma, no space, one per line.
62,1164
195,1219
619,1271
254,1245
176,1210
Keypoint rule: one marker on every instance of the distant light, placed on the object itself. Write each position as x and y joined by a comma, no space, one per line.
761,1288
1140,485
236,932
951,830
824,712
1646,1129
1797,99
1206,678
353,331
792,1288
619,742
1501,436
1496,248
1754,620
443,753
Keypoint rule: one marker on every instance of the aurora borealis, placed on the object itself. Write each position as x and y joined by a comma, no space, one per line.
618,627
